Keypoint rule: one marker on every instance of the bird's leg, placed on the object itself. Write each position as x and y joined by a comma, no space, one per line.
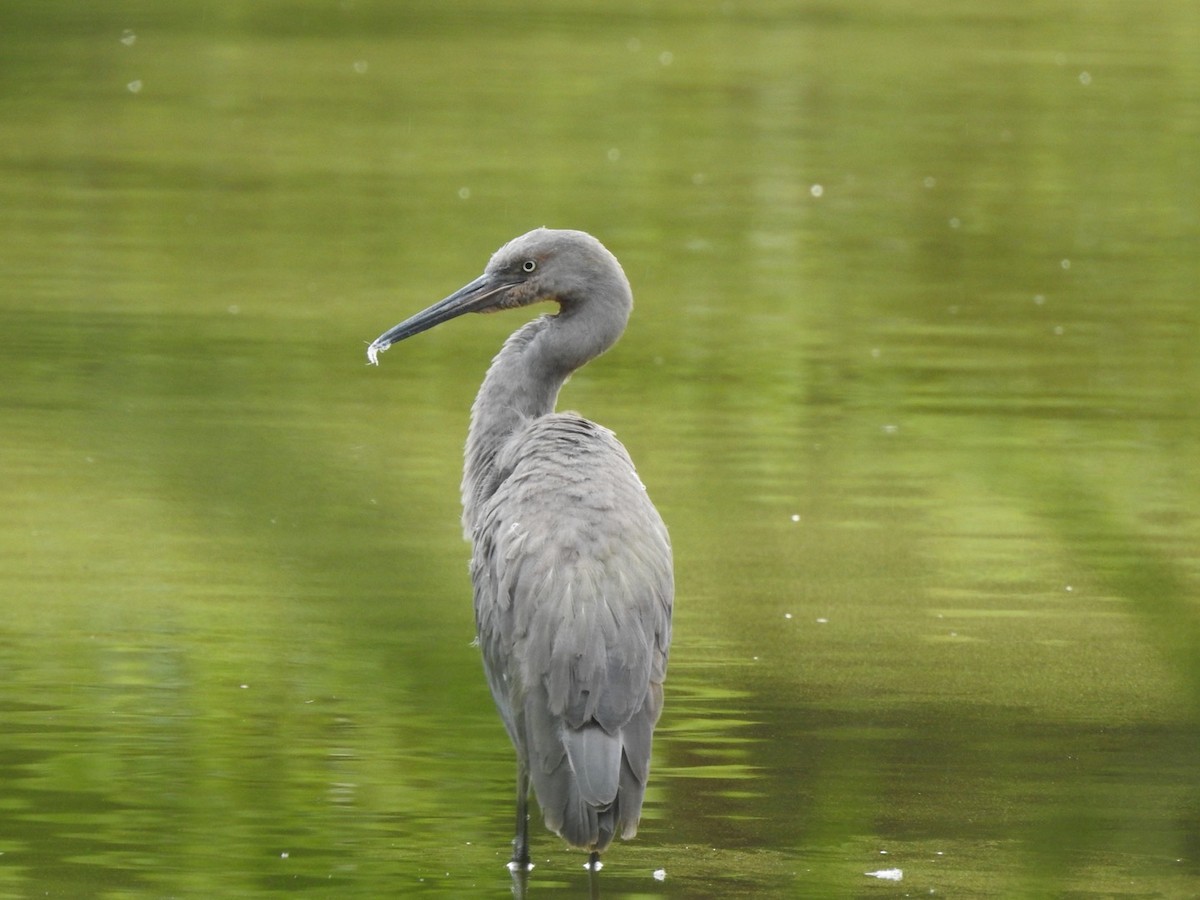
520,855
593,866
520,881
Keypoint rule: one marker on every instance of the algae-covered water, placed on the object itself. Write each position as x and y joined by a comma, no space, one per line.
912,377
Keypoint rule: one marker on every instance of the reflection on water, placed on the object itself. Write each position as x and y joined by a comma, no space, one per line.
912,378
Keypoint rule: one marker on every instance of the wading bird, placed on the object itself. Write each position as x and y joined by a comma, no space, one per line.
571,563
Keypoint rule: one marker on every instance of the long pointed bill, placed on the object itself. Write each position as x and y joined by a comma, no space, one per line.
474,297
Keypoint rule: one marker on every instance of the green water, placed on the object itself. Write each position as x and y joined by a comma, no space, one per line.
913,378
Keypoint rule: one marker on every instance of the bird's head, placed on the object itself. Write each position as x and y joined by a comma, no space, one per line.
566,267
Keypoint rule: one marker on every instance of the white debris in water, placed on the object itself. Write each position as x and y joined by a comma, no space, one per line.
822,621
360,66
373,353
1085,78
795,517
135,86
887,874
816,190
128,38
787,615
660,874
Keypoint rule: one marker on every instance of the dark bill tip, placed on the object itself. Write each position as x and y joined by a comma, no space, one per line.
477,296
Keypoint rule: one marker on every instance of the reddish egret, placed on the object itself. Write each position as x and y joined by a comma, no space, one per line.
571,563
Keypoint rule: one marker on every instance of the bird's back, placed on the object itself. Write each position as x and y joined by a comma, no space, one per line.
573,593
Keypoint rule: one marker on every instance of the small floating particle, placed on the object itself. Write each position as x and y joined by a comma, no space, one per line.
887,874
795,517
660,874
135,86
128,38
822,621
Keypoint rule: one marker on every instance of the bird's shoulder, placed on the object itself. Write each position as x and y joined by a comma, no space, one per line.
567,490
565,450
567,433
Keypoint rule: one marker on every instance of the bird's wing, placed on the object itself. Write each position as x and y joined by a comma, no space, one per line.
579,570
573,594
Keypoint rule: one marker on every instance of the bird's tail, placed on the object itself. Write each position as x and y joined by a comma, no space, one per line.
593,792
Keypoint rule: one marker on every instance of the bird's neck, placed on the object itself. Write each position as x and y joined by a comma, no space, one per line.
522,385
517,389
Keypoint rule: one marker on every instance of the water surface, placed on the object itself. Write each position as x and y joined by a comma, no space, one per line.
912,378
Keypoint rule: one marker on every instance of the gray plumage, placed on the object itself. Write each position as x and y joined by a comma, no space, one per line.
571,563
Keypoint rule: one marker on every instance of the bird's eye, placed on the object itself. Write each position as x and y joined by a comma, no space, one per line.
529,265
